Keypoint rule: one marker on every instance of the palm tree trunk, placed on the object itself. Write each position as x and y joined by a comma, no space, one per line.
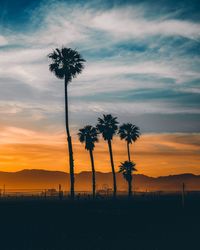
93,175
69,140
128,150
113,169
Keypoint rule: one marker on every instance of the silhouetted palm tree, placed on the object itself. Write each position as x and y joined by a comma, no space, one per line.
130,133
89,136
126,168
67,64
107,126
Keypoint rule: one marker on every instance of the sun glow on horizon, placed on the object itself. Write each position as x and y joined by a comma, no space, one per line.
154,154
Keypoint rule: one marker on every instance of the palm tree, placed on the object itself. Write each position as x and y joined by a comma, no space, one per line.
130,133
126,168
89,136
67,64
107,126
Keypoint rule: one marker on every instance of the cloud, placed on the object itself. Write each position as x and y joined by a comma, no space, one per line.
127,50
157,69
3,41
127,23
15,135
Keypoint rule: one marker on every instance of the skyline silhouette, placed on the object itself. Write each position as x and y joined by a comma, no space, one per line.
39,180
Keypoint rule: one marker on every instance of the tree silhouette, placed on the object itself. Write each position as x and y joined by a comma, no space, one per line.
130,133
89,136
127,168
107,126
67,64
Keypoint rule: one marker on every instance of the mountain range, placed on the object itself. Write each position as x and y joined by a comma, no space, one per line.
43,179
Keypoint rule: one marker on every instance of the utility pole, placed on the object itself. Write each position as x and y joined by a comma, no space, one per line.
60,192
4,190
183,195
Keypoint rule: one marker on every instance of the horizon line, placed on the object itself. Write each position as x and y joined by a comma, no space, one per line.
60,171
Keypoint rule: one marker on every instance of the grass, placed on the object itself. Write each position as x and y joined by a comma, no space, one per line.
157,224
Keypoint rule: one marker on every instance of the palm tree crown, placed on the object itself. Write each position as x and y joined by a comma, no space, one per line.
129,132
89,135
66,62
107,126
126,168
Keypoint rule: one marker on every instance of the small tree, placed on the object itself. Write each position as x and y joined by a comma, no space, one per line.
127,168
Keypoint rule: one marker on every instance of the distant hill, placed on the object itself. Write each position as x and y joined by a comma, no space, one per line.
43,179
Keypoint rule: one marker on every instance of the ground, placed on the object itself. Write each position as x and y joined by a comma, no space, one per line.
155,223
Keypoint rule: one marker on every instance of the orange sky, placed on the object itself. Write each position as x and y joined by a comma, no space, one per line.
154,154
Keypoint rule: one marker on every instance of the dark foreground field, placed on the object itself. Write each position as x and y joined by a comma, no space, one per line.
105,224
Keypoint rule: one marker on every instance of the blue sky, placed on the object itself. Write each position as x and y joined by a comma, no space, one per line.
142,63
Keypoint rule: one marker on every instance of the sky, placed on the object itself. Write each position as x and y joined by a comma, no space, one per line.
142,65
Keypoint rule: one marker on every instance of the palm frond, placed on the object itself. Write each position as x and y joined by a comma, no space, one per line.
129,132
127,168
107,126
66,62
89,136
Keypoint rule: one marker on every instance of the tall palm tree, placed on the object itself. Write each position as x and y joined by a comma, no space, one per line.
89,136
107,126
127,168
130,133
67,64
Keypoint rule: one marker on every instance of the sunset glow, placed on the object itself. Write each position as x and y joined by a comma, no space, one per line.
155,154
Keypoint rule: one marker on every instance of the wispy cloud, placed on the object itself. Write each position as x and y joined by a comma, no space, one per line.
131,23
3,41
126,49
